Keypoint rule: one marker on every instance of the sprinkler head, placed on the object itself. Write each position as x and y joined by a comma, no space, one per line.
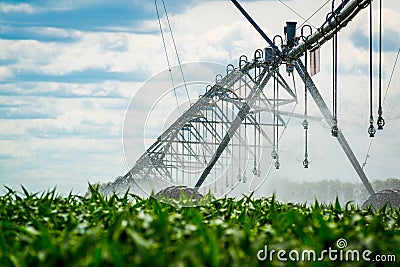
305,163
334,131
305,124
290,66
274,154
380,122
277,165
371,130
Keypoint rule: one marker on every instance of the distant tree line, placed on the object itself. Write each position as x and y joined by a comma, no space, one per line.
324,191
327,190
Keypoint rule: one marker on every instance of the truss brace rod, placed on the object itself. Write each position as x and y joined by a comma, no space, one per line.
243,112
261,32
329,119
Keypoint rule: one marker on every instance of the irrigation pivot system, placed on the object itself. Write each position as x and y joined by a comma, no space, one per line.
221,139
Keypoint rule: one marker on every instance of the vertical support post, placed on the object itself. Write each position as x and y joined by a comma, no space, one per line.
329,119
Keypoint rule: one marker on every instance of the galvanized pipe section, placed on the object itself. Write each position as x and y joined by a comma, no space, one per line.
335,23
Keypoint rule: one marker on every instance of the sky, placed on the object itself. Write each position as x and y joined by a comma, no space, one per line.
69,69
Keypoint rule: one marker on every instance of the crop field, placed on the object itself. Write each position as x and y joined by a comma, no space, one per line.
46,229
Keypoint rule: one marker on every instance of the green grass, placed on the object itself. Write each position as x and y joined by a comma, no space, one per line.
46,229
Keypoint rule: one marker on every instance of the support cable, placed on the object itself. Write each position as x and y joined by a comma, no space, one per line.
297,13
371,128
166,55
313,14
380,121
176,51
384,99
391,76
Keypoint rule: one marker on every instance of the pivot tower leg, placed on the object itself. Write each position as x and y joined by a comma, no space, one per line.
329,119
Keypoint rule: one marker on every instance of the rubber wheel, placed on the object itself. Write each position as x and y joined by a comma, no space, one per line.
175,192
390,197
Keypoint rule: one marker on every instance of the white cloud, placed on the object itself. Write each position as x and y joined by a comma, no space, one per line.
5,73
115,52
82,138
17,8
13,149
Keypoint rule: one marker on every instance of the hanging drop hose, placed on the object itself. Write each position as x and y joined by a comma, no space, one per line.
244,179
255,129
255,147
335,129
277,163
227,159
214,140
275,68
259,142
239,177
371,128
273,153
380,121
305,122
